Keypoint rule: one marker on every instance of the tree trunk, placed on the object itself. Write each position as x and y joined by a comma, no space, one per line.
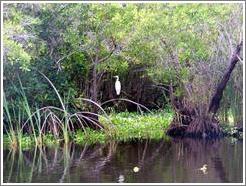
94,95
204,125
94,86
215,101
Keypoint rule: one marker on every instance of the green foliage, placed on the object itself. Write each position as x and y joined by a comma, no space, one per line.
50,140
89,136
76,64
130,126
86,30
37,91
20,42
127,126
25,142
114,66
17,54
66,41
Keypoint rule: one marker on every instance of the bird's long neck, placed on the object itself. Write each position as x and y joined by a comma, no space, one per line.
117,78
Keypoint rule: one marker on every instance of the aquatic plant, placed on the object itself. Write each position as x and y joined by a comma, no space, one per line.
129,126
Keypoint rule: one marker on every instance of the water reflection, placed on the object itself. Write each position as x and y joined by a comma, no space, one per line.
179,160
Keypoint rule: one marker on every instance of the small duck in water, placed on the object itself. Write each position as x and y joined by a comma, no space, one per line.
204,169
121,178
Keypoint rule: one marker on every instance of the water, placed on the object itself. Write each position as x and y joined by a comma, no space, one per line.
153,161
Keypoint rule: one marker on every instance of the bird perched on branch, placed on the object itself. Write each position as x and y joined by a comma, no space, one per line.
117,85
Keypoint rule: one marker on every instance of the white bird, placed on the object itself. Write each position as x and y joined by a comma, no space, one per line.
135,169
117,85
121,178
204,169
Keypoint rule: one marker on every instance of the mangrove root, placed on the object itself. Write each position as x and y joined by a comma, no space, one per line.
192,124
198,127
204,127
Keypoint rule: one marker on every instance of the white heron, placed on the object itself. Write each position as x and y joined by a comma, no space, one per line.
117,85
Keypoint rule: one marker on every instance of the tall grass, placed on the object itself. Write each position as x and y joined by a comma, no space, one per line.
15,112
39,121
8,123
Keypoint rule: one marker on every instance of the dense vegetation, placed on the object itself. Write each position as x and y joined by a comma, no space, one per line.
60,59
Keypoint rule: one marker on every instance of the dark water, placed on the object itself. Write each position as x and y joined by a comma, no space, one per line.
162,161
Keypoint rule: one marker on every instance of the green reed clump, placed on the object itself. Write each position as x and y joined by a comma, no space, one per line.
58,121
12,119
128,126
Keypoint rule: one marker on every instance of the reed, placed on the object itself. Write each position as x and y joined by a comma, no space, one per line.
41,122
8,124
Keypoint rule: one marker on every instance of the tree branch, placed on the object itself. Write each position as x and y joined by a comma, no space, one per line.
111,52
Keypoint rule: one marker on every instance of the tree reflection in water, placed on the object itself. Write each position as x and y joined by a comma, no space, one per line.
176,160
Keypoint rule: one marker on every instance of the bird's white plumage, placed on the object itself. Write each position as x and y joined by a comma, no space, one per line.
117,85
